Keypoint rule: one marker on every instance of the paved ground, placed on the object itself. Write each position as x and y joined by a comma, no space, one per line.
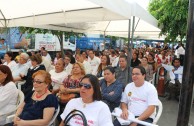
170,113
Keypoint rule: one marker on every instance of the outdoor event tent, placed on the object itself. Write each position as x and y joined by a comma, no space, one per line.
109,17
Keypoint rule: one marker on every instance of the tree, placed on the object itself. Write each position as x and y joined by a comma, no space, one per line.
172,17
59,34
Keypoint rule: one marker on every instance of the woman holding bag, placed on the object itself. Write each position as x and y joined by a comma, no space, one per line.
96,112
71,85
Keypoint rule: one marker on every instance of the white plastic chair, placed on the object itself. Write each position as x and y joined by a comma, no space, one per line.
158,112
20,83
52,122
20,100
152,81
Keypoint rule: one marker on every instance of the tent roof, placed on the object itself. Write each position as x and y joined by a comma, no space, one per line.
95,16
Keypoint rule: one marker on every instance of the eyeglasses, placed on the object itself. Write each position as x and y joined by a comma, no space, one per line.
135,74
38,82
87,86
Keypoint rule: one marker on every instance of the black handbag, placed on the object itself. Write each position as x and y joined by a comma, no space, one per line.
74,113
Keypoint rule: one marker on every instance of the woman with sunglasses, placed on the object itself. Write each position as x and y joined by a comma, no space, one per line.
96,112
111,88
39,105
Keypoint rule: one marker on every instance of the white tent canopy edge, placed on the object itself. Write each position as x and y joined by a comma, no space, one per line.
53,14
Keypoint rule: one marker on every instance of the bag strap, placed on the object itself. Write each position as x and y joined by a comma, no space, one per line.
72,114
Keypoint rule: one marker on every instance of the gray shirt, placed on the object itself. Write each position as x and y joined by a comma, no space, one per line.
122,75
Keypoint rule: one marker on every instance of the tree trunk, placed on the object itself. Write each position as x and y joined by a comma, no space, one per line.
60,37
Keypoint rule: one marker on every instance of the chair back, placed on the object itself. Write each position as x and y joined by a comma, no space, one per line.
158,112
152,81
52,122
20,99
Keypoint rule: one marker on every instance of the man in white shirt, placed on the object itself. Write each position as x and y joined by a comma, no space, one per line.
46,55
94,62
112,56
180,53
21,67
68,65
176,73
140,97
86,64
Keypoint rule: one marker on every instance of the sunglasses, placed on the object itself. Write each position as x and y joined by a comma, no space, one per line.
38,82
87,86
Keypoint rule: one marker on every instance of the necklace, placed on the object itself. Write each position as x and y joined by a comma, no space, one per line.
39,96
84,104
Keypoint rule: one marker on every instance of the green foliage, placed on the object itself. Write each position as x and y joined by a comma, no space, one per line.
59,34
114,38
54,32
3,30
172,16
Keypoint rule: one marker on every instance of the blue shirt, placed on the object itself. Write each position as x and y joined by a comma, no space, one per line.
2,50
176,75
111,100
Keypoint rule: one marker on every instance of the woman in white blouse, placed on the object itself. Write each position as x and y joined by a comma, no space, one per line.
8,93
9,60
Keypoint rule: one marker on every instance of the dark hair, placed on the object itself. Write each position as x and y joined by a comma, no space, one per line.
110,68
10,54
96,87
140,54
43,48
176,59
83,52
123,51
36,58
152,55
97,53
123,56
141,68
6,70
145,58
136,55
117,52
68,56
91,50
113,52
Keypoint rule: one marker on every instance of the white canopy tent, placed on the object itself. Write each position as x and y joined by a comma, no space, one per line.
90,16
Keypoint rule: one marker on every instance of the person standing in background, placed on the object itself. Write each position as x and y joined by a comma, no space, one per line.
3,48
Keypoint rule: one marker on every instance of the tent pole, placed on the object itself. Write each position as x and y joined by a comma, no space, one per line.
133,30
137,24
129,51
185,99
3,18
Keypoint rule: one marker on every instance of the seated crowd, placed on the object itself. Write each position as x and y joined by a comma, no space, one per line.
94,84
